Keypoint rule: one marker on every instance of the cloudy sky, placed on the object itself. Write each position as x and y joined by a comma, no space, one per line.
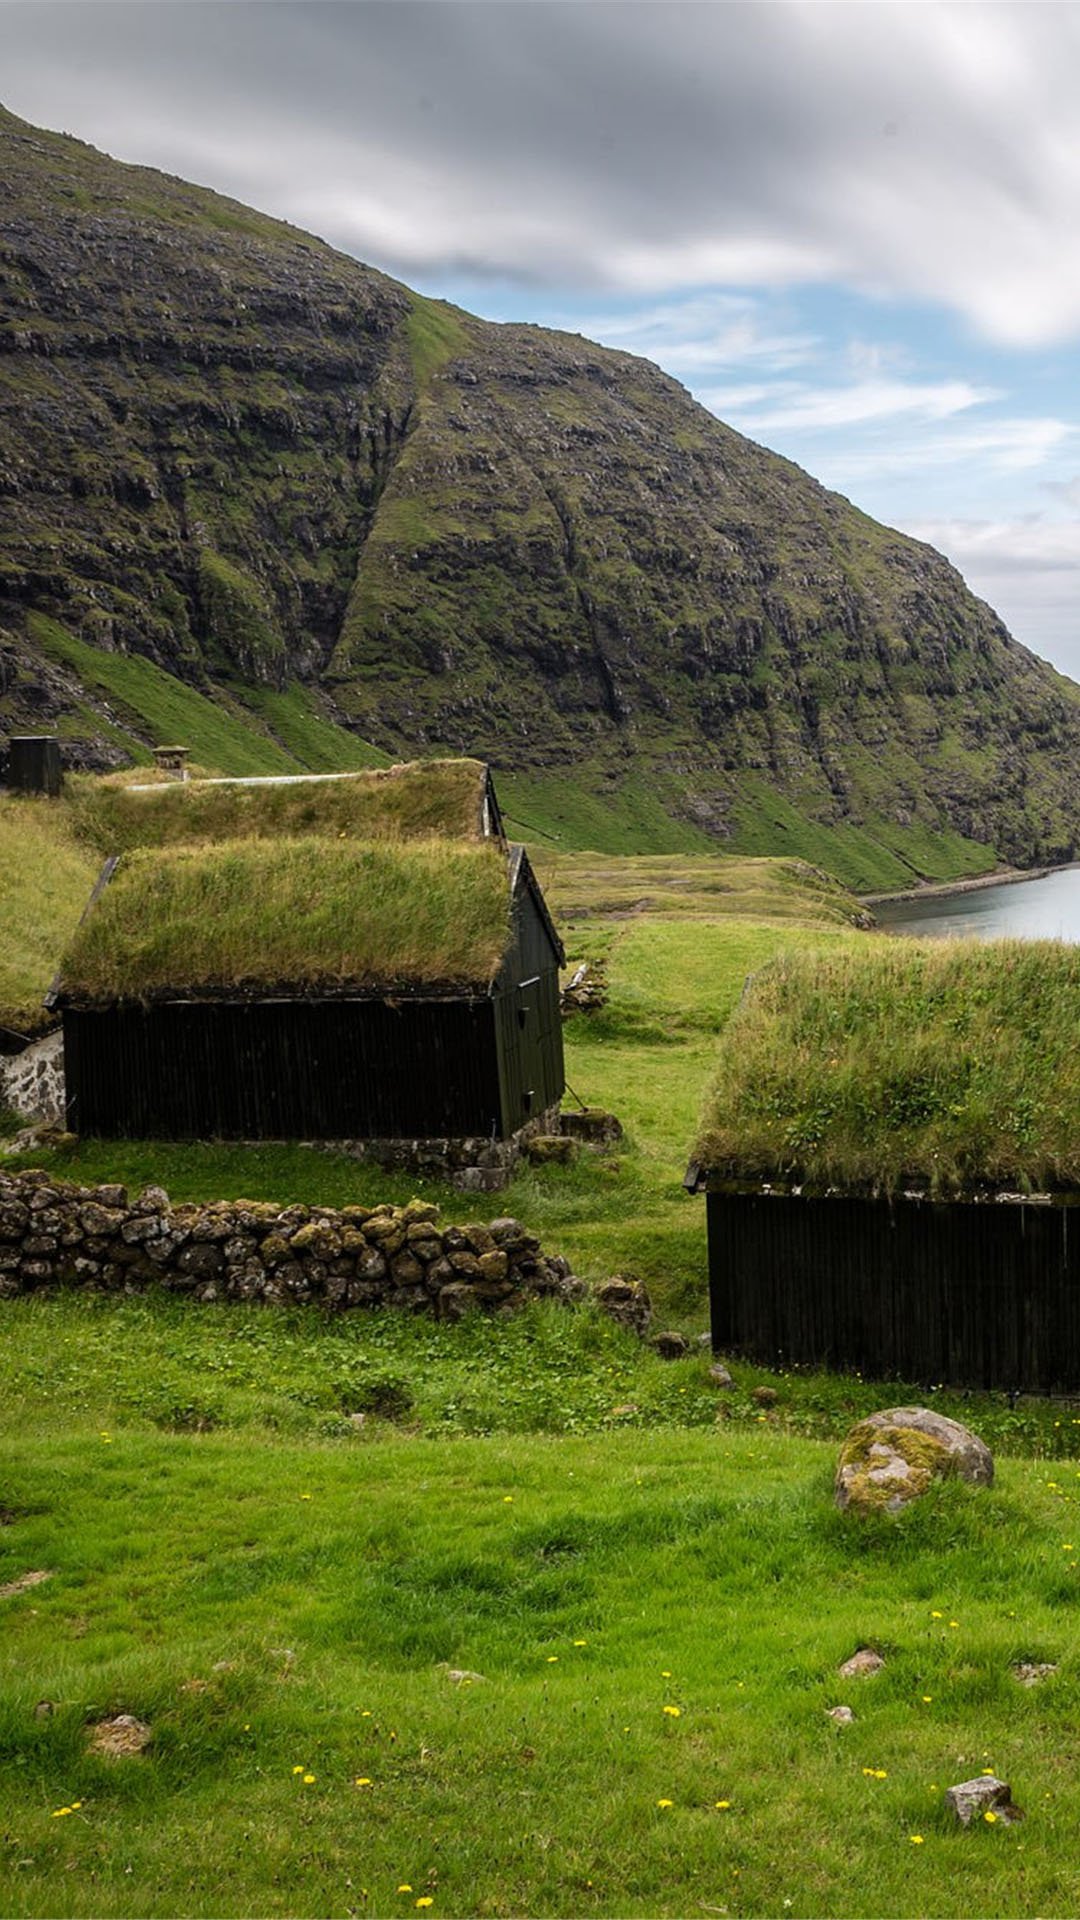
850,229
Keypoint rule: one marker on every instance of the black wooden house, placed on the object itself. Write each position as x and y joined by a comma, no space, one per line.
399,1054
891,1159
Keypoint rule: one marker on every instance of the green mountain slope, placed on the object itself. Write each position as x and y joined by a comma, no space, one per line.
339,520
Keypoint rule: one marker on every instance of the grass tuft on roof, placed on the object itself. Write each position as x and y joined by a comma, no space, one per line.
416,800
947,1066
303,913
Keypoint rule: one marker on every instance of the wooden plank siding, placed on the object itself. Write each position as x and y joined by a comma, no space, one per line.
982,1295
527,1015
284,1070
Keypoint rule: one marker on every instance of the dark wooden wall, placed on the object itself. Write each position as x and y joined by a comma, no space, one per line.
528,1018
978,1295
286,1070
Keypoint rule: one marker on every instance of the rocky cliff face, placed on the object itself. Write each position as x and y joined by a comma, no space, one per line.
256,463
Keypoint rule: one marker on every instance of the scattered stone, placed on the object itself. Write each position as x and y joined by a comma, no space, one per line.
24,1582
842,1716
461,1677
223,1666
892,1457
44,1710
720,1376
592,1125
764,1396
625,1298
120,1736
975,1799
865,1661
670,1346
1030,1672
585,991
551,1148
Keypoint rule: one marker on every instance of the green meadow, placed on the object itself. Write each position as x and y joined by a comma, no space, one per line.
273,1536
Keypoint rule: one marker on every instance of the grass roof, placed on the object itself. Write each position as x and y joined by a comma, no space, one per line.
414,801
948,1066
300,913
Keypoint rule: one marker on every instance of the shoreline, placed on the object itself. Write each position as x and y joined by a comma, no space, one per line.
1002,877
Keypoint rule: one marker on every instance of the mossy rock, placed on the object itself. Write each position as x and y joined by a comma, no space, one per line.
892,1457
547,1148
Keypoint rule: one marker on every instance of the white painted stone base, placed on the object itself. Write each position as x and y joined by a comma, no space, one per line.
32,1082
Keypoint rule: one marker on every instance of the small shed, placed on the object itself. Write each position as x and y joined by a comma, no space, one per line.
336,969
891,1158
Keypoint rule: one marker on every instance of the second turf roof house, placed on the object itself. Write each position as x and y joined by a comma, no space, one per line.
891,1155
398,991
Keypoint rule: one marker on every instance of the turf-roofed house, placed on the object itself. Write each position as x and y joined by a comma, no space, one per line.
358,957
891,1156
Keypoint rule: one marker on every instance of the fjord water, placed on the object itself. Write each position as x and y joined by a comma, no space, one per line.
1047,908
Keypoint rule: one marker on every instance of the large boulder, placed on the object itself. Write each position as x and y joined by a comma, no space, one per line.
892,1457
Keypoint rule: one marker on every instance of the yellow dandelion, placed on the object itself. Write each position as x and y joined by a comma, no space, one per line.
508,1501
298,1769
990,1818
309,1779
916,1839
552,1659
990,1771
581,1643
362,1781
404,1887
665,1673
954,1623
1067,1546
305,1496
935,1615
927,1698
75,1805
722,1803
665,1803
673,1711
60,1812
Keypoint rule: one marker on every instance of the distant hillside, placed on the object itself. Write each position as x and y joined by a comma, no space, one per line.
264,498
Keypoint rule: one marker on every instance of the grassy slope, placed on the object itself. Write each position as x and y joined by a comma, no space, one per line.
254,730
634,816
45,879
200,1496
277,1610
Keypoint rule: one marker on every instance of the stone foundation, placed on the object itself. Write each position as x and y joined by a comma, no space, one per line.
32,1082
53,1233
475,1165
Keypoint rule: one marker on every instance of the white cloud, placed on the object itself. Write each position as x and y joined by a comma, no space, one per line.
807,409
703,334
1028,568
926,151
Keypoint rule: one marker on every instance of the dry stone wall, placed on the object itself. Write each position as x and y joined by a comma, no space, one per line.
52,1232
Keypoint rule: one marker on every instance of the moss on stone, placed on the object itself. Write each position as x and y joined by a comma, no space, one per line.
928,1460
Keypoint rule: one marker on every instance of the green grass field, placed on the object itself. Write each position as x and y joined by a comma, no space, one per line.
647,1571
